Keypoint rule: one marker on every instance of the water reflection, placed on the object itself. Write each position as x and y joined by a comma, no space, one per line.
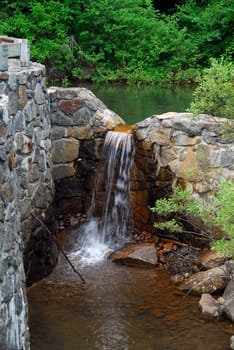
119,309
134,103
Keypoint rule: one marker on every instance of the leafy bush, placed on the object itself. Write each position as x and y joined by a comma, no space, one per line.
216,214
224,218
215,94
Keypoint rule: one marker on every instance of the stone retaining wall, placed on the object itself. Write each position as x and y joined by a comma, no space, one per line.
181,150
26,186
193,150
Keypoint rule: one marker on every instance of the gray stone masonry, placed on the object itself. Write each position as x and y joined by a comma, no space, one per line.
79,122
194,150
26,186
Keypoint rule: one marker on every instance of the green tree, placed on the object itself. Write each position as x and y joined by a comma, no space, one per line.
123,39
210,27
129,40
120,40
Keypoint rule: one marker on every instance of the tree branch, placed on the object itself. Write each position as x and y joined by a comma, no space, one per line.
59,248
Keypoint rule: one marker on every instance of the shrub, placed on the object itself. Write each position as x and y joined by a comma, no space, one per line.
215,94
216,214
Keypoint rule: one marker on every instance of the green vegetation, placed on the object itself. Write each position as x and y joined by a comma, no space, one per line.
124,40
181,210
215,94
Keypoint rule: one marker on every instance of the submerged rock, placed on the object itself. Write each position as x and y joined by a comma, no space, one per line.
210,281
141,255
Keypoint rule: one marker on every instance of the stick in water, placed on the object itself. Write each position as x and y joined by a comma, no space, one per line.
59,248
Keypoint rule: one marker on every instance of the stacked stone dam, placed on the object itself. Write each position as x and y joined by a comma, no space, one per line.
50,143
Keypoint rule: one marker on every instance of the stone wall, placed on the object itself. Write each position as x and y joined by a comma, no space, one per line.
181,150
79,122
26,187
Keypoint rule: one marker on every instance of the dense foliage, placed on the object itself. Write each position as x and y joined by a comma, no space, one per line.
216,215
215,93
128,40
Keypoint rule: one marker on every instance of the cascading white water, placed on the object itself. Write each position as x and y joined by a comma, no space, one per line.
100,234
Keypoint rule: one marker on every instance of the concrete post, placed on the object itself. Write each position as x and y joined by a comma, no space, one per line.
3,57
24,53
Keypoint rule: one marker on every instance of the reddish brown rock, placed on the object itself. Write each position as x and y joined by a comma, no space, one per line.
70,106
4,76
140,255
167,247
209,259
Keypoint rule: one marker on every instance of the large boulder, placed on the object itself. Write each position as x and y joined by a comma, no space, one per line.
211,281
229,308
229,290
228,295
230,268
141,255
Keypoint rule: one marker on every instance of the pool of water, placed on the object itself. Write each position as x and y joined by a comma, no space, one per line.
135,103
119,308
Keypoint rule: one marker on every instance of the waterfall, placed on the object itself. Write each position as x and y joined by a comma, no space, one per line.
105,230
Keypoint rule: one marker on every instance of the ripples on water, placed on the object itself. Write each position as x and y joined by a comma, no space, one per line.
120,308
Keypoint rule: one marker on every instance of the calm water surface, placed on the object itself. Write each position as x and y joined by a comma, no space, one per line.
134,103
120,308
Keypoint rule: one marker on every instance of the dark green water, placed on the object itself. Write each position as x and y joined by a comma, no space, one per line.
134,103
